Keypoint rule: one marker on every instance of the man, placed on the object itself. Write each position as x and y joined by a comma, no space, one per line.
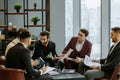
80,47
19,57
45,49
15,41
108,64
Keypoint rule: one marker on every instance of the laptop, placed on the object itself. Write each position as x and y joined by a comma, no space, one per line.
68,71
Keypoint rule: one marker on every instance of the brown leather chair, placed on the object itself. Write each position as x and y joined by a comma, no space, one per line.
114,75
11,74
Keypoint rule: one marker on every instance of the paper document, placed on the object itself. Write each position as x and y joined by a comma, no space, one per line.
68,53
49,69
53,73
88,62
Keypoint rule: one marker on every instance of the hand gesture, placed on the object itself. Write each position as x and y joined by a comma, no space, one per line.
56,58
62,56
35,62
95,60
44,68
94,67
77,60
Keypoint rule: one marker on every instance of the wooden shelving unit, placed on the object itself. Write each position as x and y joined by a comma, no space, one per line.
35,9
38,25
3,9
43,9
2,26
14,13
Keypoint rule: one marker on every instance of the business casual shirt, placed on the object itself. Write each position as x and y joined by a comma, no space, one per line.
45,52
79,45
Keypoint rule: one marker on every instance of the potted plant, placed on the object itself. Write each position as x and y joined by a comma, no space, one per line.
17,7
35,19
35,5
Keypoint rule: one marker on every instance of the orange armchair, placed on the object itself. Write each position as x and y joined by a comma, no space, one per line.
11,74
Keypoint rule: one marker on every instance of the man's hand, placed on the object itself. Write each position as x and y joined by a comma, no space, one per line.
35,62
62,56
94,67
77,60
44,68
95,60
54,58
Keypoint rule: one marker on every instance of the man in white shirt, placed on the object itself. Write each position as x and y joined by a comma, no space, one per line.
80,46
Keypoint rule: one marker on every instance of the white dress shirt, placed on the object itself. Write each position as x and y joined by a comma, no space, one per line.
79,45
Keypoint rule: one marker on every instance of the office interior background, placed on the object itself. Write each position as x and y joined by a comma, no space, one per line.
68,16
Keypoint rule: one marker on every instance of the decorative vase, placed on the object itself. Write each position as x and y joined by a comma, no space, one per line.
35,5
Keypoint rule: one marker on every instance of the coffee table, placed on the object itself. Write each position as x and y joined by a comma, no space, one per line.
68,76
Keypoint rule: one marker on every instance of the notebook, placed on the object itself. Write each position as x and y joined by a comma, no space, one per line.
41,63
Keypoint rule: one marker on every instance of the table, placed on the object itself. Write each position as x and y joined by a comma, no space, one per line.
68,76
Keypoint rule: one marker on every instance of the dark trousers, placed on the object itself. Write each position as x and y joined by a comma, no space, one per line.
82,68
41,77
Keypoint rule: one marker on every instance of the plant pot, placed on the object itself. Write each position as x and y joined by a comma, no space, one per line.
35,23
18,10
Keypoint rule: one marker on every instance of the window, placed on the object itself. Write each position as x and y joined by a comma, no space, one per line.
90,19
115,13
68,20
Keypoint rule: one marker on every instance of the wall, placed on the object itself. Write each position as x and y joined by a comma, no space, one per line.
57,17
105,30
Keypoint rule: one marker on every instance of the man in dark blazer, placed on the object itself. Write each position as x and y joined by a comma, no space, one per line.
108,64
80,46
45,49
19,57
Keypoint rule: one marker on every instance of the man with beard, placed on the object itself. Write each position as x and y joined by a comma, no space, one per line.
109,63
45,49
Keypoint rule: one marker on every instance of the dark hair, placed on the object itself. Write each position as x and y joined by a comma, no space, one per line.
25,34
84,31
45,33
19,31
116,29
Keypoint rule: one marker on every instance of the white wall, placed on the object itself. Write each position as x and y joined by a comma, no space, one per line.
57,18
105,30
